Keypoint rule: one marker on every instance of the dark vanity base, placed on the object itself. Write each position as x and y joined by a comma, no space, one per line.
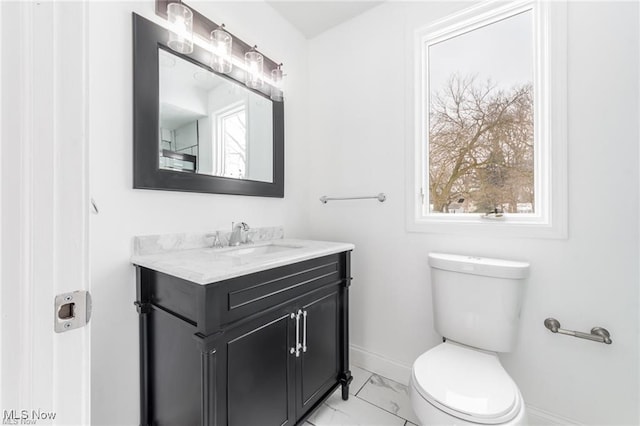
225,353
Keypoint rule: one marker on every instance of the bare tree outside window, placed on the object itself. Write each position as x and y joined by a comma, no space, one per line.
481,148
481,121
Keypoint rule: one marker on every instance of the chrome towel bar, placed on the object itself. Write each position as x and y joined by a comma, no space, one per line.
598,334
380,197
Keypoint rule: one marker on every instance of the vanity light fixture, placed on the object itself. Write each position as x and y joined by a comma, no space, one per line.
221,48
276,84
219,44
253,62
180,19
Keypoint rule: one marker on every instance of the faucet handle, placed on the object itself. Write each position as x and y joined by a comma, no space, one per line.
242,225
216,239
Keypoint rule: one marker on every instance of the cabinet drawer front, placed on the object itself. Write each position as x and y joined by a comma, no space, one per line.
283,284
255,292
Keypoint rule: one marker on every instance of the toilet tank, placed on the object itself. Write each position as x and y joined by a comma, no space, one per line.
477,301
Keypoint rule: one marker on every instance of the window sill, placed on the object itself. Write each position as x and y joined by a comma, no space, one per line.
476,226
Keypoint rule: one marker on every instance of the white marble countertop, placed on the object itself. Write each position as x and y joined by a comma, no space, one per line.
208,265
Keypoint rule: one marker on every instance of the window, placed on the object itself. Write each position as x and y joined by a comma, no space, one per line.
489,154
231,146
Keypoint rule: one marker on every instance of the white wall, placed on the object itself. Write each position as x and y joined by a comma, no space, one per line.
259,137
359,123
125,212
177,91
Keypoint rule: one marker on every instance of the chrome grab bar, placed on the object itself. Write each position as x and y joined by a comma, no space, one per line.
380,197
598,334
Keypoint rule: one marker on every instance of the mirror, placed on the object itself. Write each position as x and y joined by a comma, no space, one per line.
210,125
197,130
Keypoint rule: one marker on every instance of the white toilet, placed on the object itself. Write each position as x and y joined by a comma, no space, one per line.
476,308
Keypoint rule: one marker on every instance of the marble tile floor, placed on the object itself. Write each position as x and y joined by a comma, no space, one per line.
374,401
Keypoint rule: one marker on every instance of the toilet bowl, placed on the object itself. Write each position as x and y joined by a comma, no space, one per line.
476,308
453,384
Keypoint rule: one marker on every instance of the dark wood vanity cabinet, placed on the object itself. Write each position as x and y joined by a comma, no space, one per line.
262,349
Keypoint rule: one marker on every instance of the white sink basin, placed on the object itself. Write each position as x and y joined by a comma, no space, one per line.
259,250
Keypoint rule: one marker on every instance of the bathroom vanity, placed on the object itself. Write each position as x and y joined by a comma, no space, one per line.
254,335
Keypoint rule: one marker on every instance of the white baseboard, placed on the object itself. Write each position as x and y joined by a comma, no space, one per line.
378,364
401,373
539,417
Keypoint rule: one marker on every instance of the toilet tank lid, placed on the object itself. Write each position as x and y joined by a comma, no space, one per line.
497,268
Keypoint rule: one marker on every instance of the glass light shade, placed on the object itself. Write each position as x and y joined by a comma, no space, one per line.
221,48
254,63
180,20
276,89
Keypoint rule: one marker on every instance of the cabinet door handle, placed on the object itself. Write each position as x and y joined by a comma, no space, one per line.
304,331
298,345
295,349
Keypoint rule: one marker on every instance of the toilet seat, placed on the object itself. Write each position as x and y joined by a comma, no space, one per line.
466,383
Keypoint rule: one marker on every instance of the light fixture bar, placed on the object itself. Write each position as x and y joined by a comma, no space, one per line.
206,45
202,28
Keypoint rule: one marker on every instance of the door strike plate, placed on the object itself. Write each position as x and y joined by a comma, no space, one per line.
71,310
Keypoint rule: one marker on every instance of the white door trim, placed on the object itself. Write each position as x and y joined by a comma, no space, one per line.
17,205
44,203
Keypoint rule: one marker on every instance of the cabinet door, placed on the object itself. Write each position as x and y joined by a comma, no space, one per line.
319,359
260,372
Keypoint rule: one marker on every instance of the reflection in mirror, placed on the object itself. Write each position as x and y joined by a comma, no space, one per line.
212,125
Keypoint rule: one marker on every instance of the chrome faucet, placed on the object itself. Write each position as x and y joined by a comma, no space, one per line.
236,233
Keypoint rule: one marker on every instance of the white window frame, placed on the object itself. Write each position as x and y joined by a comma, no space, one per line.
219,151
550,120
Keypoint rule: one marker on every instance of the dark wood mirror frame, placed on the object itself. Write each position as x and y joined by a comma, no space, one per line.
148,37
